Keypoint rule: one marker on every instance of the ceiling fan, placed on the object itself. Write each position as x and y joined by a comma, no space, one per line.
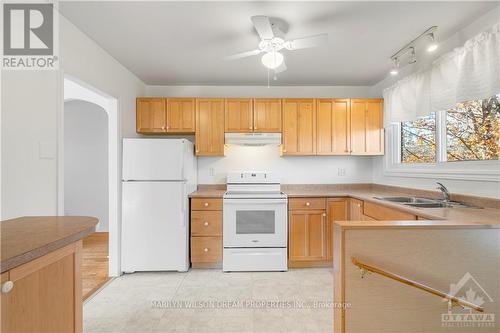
273,41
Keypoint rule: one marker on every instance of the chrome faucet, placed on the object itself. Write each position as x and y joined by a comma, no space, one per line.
446,193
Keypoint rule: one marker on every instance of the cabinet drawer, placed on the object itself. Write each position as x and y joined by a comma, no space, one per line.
306,203
383,213
206,223
206,204
206,249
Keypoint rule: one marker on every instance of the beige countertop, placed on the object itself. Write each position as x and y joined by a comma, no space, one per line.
26,238
369,192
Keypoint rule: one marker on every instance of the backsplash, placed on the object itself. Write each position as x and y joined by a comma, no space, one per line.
290,170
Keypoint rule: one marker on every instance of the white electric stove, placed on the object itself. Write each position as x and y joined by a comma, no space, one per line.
255,223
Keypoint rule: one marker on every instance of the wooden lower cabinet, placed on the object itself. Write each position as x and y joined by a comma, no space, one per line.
307,233
379,212
206,232
46,294
337,211
355,210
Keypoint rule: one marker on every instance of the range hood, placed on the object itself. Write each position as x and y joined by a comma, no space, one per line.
253,139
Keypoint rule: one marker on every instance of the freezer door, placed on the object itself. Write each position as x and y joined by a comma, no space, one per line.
154,227
154,159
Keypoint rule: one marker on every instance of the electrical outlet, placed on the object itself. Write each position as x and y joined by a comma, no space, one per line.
341,172
212,172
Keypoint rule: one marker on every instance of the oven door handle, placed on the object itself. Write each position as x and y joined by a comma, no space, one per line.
254,201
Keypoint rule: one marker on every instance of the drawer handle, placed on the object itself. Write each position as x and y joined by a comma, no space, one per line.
205,249
308,204
7,287
205,224
206,204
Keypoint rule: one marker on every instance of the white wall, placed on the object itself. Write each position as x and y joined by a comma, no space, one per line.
31,104
291,170
86,161
489,189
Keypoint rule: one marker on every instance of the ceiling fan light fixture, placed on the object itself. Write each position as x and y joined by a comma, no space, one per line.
272,59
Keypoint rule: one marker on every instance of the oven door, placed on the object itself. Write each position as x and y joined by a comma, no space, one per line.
255,223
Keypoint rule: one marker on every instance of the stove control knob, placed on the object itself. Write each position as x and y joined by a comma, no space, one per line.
205,224
205,249
206,204
308,204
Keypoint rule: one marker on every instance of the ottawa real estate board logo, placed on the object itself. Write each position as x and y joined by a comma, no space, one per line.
29,36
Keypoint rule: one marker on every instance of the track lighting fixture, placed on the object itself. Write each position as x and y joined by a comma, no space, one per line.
433,44
411,49
395,68
413,56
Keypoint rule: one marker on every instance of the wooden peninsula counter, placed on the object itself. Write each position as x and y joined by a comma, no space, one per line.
40,273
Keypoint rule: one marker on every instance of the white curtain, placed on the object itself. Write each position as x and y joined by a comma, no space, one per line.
467,73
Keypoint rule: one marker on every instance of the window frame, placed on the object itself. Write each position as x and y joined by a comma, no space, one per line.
485,170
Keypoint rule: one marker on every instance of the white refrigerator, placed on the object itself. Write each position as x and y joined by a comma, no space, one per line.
157,177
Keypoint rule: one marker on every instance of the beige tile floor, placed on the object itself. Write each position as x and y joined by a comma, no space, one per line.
127,304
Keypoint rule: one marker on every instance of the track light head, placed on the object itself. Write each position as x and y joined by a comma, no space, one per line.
395,69
413,56
433,45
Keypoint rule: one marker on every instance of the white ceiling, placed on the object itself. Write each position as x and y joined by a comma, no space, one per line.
184,43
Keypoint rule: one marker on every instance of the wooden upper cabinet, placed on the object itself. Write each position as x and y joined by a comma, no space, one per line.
367,127
299,127
181,114
333,124
210,127
239,115
267,115
151,115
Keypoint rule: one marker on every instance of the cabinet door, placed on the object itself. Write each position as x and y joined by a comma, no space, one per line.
181,115
337,211
267,115
239,115
374,127
307,235
355,210
367,128
358,127
151,115
333,127
46,295
210,127
299,127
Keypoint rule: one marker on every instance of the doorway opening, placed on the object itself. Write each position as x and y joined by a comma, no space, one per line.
89,176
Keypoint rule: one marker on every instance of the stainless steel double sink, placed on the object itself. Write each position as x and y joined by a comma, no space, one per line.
425,202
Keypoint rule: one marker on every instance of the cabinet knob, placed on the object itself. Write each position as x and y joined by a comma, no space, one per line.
324,214
284,150
205,224
197,151
163,128
255,128
205,249
250,128
7,287
206,204
308,204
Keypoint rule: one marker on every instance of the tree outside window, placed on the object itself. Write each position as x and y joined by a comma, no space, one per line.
418,140
473,130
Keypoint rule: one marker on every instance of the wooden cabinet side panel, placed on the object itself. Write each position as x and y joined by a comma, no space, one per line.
337,211
45,298
374,127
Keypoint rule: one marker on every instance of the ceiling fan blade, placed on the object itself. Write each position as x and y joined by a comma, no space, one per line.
307,42
243,55
280,68
263,26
